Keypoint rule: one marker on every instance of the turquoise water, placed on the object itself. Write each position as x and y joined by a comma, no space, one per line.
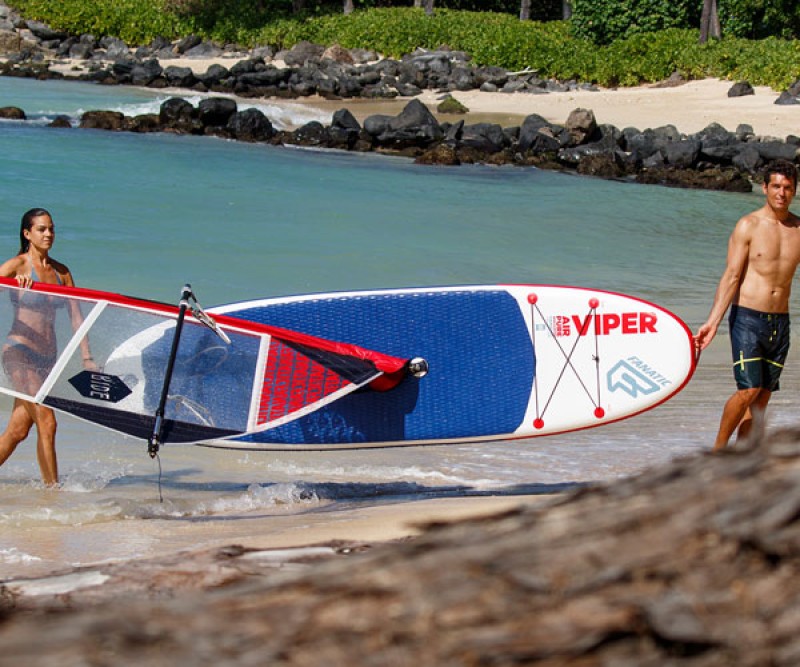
144,214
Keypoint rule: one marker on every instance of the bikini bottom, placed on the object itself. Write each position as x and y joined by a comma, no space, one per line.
17,356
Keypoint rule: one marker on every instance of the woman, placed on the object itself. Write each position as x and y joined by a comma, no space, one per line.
31,347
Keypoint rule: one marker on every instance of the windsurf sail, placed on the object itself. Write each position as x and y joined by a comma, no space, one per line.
103,357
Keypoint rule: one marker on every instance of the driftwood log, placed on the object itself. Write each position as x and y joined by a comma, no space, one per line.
696,563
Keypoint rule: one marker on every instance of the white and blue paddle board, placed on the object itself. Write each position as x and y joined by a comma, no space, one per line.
504,361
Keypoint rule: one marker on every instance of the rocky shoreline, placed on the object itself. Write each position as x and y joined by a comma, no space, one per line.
715,158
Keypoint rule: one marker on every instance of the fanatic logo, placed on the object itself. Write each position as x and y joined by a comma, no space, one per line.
634,377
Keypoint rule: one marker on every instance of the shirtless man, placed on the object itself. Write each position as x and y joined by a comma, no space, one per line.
763,254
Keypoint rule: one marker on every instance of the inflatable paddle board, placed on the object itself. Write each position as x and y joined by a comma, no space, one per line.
503,362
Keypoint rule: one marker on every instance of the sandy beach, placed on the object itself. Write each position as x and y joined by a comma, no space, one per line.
690,106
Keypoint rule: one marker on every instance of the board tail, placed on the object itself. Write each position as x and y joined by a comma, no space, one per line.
103,357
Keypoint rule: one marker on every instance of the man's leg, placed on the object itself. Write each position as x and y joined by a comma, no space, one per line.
758,406
734,412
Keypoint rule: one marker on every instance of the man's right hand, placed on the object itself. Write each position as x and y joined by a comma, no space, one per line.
705,334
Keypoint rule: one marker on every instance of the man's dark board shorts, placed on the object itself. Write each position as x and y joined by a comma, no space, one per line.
760,343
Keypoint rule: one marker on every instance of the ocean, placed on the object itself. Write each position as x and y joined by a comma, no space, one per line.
145,214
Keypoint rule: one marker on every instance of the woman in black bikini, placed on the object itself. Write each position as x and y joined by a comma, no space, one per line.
30,349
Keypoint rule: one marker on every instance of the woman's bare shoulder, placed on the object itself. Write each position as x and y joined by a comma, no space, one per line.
11,267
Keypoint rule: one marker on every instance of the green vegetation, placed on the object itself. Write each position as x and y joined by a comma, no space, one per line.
554,49
451,105
604,21
134,21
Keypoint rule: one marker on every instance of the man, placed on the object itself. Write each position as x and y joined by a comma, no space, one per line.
763,254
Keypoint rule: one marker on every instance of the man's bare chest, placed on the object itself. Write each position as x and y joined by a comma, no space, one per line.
779,244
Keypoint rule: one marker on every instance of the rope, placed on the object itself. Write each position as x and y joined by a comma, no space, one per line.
582,331
160,494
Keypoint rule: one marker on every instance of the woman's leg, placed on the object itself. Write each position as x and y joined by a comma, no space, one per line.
17,429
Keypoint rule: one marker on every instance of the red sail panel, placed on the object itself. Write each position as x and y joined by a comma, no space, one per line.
293,381
350,361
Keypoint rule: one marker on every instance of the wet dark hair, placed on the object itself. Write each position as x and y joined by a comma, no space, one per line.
783,168
26,224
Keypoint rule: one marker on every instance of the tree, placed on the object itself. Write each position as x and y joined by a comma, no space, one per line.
544,10
709,21
348,6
